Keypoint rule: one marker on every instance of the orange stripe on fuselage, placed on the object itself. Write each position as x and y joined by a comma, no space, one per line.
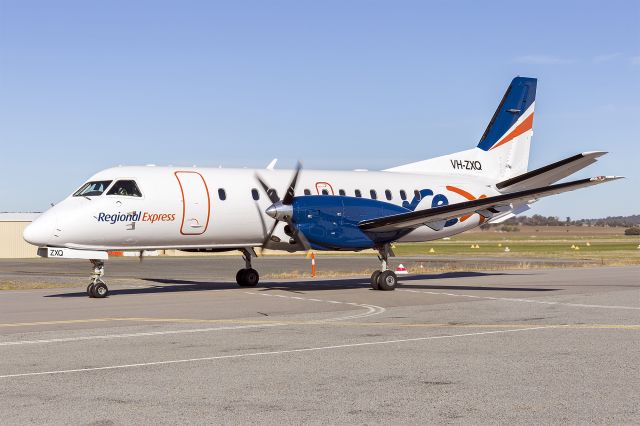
469,197
527,124
461,192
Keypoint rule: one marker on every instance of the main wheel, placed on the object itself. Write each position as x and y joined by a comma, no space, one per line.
90,289
387,281
247,277
240,276
250,278
374,280
99,290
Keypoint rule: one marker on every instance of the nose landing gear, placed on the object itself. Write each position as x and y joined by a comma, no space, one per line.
97,288
247,277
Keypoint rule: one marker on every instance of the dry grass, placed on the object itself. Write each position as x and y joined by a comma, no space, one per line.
30,285
419,268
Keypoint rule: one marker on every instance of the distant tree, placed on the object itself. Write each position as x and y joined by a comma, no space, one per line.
632,231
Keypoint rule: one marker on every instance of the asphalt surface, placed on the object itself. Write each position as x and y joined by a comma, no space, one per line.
178,342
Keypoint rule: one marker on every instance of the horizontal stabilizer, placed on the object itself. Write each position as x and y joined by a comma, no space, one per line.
493,204
549,174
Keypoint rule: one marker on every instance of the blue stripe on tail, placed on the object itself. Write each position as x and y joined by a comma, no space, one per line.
517,99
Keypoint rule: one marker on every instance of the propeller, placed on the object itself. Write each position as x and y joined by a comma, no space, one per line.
282,210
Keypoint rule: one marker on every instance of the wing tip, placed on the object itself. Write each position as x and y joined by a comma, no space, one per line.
594,154
605,178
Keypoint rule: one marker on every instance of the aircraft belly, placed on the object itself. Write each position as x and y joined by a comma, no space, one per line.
424,233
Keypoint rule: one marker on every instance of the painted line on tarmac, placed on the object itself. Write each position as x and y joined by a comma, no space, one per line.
282,352
371,309
128,335
56,322
133,319
509,299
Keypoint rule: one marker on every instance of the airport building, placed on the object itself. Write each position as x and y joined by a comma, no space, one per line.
12,246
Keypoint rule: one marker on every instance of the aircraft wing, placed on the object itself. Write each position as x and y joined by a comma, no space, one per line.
487,207
549,174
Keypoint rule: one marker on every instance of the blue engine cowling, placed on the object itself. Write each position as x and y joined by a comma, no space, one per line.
331,222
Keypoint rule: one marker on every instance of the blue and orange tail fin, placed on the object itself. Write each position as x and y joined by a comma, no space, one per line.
503,151
514,116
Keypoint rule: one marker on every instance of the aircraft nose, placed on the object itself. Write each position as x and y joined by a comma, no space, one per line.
40,231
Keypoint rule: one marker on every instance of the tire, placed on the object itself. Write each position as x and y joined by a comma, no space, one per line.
240,277
250,278
100,291
374,280
387,281
90,289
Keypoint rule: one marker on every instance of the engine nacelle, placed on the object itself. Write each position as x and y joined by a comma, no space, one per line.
331,222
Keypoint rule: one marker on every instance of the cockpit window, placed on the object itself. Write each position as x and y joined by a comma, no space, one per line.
126,188
92,189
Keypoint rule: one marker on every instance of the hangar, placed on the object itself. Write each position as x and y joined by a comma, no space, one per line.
12,246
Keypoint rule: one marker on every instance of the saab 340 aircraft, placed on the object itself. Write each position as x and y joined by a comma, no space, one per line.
215,209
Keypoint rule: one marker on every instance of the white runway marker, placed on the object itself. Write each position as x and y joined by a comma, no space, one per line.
128,335
509,299
371,309
257,354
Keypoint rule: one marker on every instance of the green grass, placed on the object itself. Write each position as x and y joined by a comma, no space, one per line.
624,252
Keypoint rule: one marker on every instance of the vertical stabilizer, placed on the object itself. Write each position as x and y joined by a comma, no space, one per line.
508,135
503,150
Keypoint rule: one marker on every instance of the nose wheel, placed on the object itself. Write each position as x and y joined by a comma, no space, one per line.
97,288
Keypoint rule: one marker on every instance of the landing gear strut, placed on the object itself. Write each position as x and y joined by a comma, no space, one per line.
384,279
247,277
97,288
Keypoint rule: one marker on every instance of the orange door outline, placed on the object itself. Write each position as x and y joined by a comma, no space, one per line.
323,185
184,204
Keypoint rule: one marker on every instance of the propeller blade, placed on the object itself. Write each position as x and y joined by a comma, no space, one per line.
269,234
299,236
288,197
271,193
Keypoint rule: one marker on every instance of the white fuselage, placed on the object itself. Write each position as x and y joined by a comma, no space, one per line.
182,208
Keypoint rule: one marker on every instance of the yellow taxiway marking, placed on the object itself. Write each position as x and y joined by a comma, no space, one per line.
318,322
76,321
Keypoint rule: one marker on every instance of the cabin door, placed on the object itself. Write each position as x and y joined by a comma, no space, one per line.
196,205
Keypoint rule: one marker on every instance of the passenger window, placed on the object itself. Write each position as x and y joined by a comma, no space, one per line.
307,192
92,189
222,194
387,194
358,193
374,195
125,188
416,193
325,192
255,194
341,192
403,195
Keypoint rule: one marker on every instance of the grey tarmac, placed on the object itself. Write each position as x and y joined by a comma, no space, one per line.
178,342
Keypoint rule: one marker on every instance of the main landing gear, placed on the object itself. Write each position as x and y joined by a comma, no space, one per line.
247,277
97,288
384,279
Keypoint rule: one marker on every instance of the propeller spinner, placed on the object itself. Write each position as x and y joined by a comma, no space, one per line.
282,210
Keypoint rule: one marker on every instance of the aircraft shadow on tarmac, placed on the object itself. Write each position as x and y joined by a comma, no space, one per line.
176,285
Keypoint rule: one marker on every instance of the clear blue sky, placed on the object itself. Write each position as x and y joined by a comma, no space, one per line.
86,85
